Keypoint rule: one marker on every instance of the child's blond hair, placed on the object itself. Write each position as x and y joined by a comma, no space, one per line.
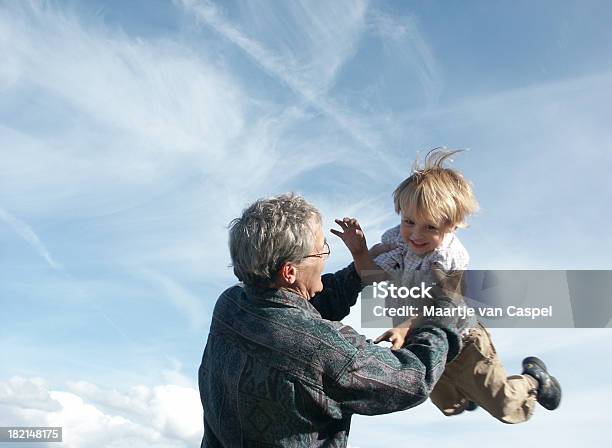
435,193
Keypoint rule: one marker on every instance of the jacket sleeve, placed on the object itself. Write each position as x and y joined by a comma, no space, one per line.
378,380
339,294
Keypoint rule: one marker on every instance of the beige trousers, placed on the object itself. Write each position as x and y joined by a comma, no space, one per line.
478,375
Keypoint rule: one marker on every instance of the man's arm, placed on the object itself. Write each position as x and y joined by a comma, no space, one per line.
378,380
340,290
339,294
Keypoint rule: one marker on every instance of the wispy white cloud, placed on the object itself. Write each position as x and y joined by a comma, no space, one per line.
140,134
321,37
25,231
308,42
153,101
189,305
406,45
281,68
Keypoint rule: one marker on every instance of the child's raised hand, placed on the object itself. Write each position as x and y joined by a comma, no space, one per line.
352,235
397,337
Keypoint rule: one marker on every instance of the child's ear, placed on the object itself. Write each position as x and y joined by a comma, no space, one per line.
450,228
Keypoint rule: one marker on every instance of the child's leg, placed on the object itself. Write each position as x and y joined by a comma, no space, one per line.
478,373
447,398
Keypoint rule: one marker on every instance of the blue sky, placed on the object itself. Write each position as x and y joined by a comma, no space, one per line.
133,132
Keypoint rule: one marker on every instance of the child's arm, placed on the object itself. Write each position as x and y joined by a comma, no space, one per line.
340,290
355,241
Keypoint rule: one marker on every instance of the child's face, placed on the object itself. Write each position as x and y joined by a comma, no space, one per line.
422,236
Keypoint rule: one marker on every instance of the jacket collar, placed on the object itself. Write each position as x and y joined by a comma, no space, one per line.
281,296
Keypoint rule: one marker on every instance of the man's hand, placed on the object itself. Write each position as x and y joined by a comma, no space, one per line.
397,336
352,236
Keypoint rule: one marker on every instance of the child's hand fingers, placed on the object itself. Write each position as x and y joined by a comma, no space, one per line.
336,232
382,337
352,222
341,223
347,222
397,342
396,345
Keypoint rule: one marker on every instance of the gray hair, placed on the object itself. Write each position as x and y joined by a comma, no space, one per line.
271,232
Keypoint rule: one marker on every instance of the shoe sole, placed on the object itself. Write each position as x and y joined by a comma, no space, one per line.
556,382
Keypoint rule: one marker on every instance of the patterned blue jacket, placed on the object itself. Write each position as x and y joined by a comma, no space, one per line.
281,371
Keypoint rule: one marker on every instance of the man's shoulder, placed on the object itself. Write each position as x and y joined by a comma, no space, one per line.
234,292
296,325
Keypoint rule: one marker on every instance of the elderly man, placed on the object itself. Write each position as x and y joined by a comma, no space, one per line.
279,369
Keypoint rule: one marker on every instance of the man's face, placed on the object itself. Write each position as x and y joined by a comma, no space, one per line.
422,236
309,270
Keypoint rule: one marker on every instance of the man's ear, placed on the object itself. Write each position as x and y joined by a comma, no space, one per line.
288,273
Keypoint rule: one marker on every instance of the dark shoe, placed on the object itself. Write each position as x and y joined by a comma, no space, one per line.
471,406
549,389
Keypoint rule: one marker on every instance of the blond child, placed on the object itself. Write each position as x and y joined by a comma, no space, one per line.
433,203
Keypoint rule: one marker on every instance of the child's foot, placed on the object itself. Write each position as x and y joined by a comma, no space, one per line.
549,389
471,406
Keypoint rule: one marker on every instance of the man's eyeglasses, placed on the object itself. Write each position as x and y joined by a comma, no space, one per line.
322,254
